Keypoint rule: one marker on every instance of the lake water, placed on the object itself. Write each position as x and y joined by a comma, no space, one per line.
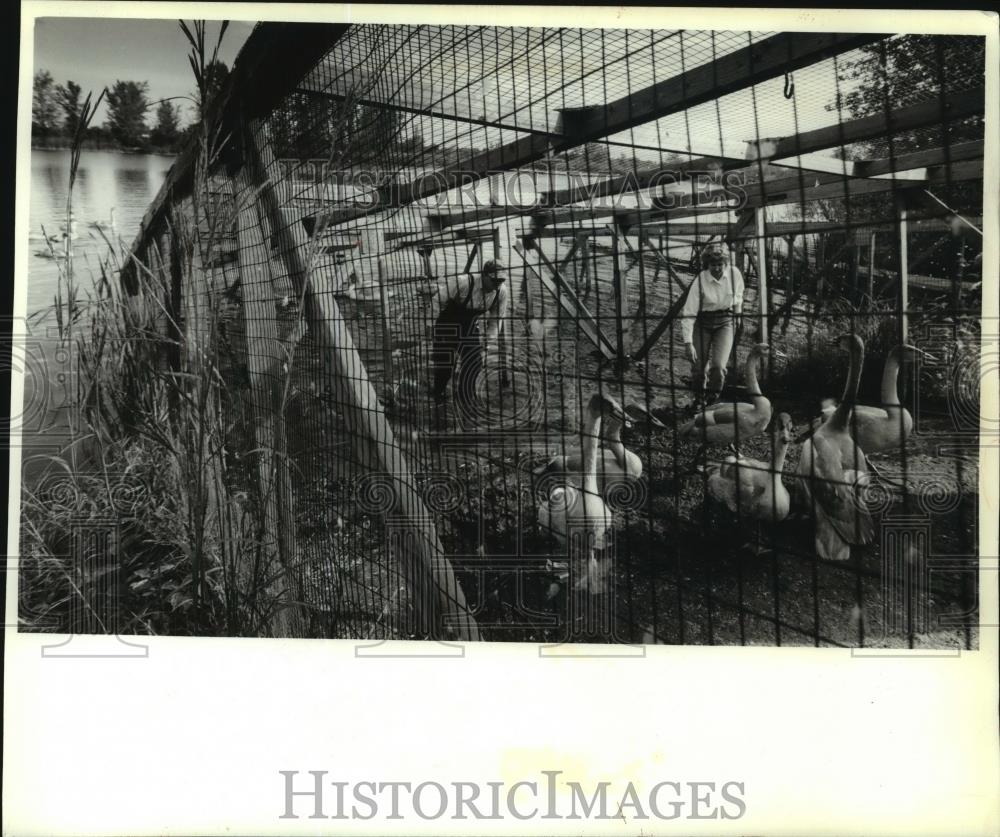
105,180
127,184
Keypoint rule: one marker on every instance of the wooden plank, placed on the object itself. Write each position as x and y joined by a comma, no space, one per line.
783,192
618,281
791,190
438,600
672,313
958,152
887,123
386,333
904,166
904,276
736,71
778,228
755,63
644,178
567,299
264,355
762,296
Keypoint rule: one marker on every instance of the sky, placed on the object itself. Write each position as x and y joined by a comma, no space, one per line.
96,52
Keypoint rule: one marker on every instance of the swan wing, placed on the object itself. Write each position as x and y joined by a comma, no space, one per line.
722,490
836,495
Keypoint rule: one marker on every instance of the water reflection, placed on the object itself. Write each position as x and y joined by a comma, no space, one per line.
105,180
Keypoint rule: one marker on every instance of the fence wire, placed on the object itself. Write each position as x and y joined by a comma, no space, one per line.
353,251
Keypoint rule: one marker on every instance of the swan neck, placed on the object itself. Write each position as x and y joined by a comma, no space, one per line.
850,388
753,386
779,455
590,430
614,441
890,379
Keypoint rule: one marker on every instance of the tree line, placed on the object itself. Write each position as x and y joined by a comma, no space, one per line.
55,114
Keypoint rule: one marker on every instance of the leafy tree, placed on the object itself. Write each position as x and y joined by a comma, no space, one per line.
902,71
69,100
44,104
166,132
216,73
127,106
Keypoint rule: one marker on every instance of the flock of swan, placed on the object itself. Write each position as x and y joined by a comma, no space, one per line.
832,472
68,233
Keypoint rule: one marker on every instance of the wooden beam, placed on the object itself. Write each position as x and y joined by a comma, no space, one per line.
919,159
738,70
904,274
791,190
618,282
644,178
266,397
886,123
437,597
762,297
664,323
910,162
906,166
783,192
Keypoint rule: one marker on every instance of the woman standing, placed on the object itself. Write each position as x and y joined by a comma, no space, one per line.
711,316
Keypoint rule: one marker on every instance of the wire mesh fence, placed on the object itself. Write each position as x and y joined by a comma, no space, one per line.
595,335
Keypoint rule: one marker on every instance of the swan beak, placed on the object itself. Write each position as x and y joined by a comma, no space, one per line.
927,356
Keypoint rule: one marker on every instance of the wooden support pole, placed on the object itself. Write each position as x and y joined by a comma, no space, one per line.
663,324
762,300
438,601
871,268
264,352
386,333
620,291
425,258
567,299
505,345
472,257
904,277
790,266
855,264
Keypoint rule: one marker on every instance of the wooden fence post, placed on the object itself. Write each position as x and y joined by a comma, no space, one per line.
619,288
904,276
267,372
438,599
762,302
871,268
386,333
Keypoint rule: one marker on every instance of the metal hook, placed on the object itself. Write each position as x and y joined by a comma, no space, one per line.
789,86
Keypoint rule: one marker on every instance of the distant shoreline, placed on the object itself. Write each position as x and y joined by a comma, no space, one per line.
59,145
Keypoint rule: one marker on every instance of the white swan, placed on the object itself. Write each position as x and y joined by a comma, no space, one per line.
110,226
832,470
616,464
734,422
888,426
752,489
579,517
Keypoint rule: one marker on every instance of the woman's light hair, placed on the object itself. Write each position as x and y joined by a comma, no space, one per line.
713,253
